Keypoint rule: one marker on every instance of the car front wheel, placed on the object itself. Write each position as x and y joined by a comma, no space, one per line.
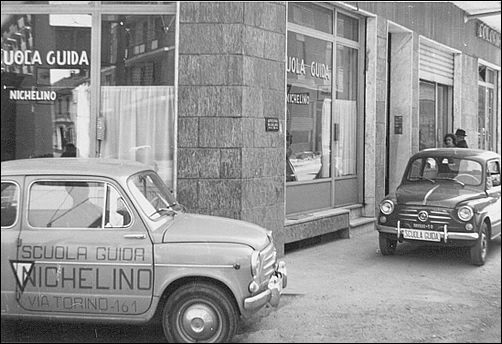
387,246
480,249
199,312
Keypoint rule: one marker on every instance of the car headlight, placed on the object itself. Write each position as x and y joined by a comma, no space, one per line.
255,263
387,207
465,213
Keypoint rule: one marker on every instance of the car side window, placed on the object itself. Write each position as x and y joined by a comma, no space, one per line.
76,204
66,204
117,213
10,202
493,174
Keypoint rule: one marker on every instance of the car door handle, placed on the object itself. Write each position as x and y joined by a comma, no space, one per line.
135,236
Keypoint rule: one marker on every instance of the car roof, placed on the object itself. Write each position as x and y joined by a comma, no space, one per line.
462,153
111,168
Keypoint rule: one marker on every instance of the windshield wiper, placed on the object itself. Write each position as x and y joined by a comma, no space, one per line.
428,179
168,208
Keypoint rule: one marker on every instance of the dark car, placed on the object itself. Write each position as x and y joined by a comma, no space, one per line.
447,196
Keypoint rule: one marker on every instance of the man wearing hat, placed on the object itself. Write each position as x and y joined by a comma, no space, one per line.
460,134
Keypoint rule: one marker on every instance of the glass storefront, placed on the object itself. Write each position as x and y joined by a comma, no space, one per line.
46,61
137,93
68,92
309,101
323,115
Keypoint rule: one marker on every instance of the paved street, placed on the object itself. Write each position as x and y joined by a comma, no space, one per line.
346,291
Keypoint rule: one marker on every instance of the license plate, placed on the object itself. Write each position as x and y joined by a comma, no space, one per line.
423,226
421,235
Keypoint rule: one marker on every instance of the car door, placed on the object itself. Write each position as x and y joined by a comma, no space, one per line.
98,261
11,205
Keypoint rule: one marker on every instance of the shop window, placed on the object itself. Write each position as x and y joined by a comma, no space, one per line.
137,93
347,27
486,105
309,99
46,60
310,15
345,111
435,114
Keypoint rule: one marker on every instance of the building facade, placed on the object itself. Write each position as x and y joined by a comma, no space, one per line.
296,116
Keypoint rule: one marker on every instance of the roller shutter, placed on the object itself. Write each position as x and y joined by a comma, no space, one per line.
436,64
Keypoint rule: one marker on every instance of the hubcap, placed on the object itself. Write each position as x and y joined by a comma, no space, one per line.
200,322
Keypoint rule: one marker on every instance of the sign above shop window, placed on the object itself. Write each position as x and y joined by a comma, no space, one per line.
317,70
298,98
59,58
488,34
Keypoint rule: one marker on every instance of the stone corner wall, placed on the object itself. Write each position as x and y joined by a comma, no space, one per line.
232,77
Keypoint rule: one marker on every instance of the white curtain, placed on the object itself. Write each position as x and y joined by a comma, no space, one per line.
139,126
326,137
80,110
345,147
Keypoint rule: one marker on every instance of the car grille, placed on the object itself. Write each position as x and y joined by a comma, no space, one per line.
269,257
435,217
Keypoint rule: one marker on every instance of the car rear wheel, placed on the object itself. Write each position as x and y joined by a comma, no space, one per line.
480,249
387,246
199,312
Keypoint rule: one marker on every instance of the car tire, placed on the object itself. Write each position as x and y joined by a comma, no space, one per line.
387,246
480,249
199,312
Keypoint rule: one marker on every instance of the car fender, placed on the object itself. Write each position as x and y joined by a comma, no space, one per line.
178,261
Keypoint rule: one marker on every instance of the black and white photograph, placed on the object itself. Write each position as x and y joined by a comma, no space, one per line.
251,172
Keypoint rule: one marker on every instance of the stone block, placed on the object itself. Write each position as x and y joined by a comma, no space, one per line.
188,131
198,163
252,102
211,39
273,103
221,70
211,12
275,162
187,193
220,132
270,16
218,101
263,74
253,162
189,70
220,194
230,163
253,42
275,46
262,191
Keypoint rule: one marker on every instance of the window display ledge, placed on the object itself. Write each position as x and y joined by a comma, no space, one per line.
295,219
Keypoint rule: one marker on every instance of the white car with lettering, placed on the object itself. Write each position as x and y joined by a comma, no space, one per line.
105,241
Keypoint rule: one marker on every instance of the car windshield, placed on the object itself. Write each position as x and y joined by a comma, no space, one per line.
450,169
153,196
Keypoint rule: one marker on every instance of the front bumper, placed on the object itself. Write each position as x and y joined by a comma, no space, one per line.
272,294
445,235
